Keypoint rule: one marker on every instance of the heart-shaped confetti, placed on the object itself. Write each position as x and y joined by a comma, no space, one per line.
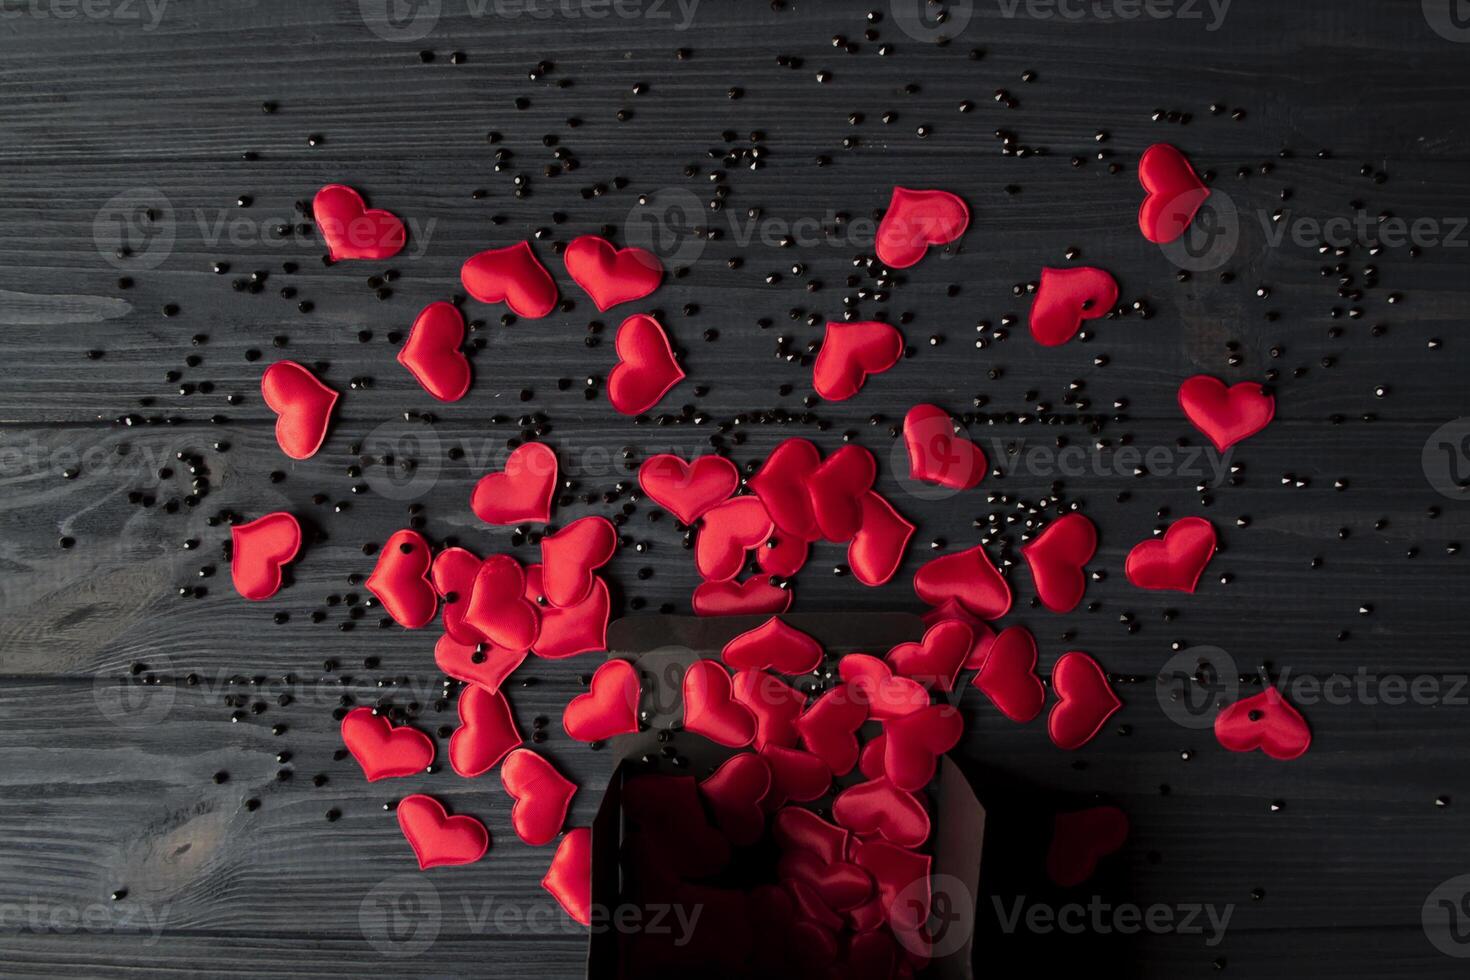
837,488
1080,840
828,728
734,792
878,807
383,750
611,275
432,352
1265,721
916,219
902,880
877,549
851,353
1085,701
839,885
981,630
1225,415
710,708
483,664
513,276
609,708
1173,193
796,776
571,556
757,595
498,609
798,828
775,704
1176,560
542,796
436,837
730,529
400,579
773,645
569,878
873,682
784,555
1058,556
688,490
1066,297
934,661
937,454
1008,677
646,368
453,574
487,732
521,492
969,578
260,551
781,484
303,407
567,631
914,742
351,229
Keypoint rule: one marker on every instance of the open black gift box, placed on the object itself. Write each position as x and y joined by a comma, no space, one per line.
661,647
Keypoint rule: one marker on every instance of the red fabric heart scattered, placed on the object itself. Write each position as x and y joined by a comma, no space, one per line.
937,454
795,828
795,776
498,608
983,634
646,368
1057,557
1173,193
510,275
1175,561
432,353
734,793
1085,701
876,550
542,796
352,230
775,704
877,807
487,732
969,578
896,871
1008,677
913,743
382,750
611,275
453,574
837,488
1265,721
828,728
486,665
851,353
755,596
570,556
436,837
784,555
303,407
400,579
1066,297
522,492
936,660
773,645
1081,839
569,879
1225,415
914,221
839,885
609,708
872,682
260,550
710,708
566,631
781,484
730,529
688,490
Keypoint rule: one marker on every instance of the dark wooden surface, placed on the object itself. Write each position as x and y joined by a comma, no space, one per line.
106,784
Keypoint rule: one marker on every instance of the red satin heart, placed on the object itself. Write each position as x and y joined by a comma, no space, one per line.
710,708
567,631
570,556
569,878
870,759
811,910
646,368
734,793
1080,840
1085,701
1265,721
781,484
872,681
1225,415
521,492
510,275
498,609
755,596
353,231
851,352
828,728
839,885
1057,557
303,407
609,708
969,578
795,828
914,221
730,529
1066,297
436,837
981,630
876,550
913,743
487,732
432,352
784,555
400,579
260,550
688,490
382,750
483,664
1175,561
611,275
1008,677
902,880
935,661
775,704
1173,193
877,807
937,454
871,955
542,796
453,574
773,645
837,488
795,776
